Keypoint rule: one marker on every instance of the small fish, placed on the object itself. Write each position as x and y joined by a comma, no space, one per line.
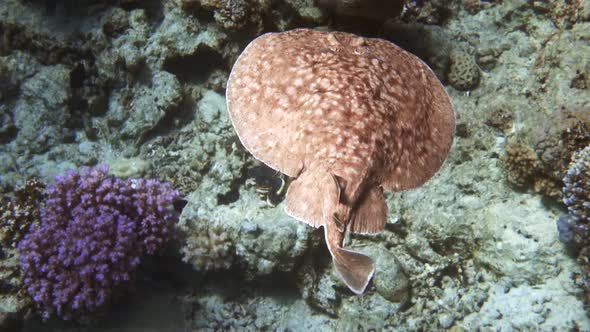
347,117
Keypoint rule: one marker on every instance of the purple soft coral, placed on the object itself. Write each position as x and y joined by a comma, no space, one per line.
93,232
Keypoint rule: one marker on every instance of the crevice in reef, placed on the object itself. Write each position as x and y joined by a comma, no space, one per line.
195,68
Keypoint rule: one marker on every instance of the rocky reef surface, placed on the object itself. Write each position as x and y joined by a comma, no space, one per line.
139,85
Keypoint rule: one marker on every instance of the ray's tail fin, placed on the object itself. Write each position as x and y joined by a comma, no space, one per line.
355,269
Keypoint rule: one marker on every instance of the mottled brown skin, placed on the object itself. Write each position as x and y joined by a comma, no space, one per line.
348,117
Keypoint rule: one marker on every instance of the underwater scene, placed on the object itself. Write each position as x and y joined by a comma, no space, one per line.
294,165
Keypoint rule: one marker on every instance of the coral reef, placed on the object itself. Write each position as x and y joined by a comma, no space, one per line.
429,42
19,212
545,163
463,74
368,9
435,12
501,117
576,190
563,133
228,14
521,163
264,239
209,248
211,142
48,92
93,231
474,6
574,226
477,254
564,14
253,16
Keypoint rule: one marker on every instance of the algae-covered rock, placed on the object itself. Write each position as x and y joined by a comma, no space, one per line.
141,109
367,9
429,42
208,247
14,69
318,286
229,14
390,280
307,10
41,113
263,240
128,167
205,154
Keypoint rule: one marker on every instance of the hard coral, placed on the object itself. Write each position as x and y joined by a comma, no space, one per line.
564,14
209,248
19,212
501,117
574,226
521,164
94,230
576,191
230,14
564,132
463,74
524,169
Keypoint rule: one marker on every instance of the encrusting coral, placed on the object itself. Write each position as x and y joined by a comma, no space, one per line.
93,231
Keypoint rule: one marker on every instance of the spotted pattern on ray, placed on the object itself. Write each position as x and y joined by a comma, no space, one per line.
352,105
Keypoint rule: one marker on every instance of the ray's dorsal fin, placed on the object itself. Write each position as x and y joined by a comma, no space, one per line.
340,185
341,212
310,195
371,214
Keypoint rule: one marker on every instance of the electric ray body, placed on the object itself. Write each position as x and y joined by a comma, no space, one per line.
348,117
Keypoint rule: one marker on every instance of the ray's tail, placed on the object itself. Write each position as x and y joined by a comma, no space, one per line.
354,268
